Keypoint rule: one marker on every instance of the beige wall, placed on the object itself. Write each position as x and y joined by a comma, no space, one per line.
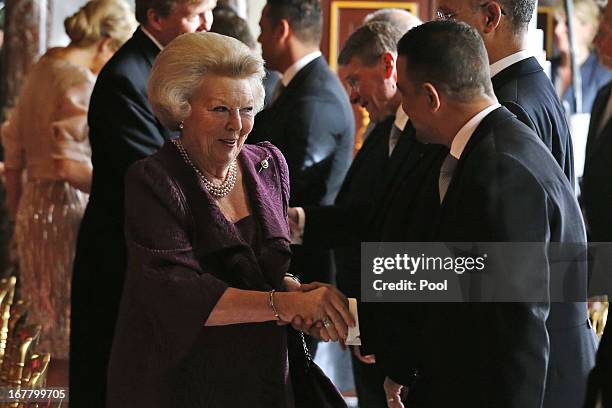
254,13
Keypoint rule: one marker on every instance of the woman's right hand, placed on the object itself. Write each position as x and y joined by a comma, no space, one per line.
319,302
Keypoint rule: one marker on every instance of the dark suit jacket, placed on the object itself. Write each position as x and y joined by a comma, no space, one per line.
532,98
122,130
597,202
342,225
506,188
596,186
406,213
183,254
601,377
270,81
525,84
312,124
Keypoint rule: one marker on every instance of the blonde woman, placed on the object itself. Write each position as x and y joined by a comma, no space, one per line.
46,138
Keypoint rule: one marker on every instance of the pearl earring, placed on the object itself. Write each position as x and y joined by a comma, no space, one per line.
181,126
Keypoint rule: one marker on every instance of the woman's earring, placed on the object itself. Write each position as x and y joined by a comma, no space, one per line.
181,126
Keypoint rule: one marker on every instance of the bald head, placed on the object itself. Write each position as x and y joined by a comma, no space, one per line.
400,18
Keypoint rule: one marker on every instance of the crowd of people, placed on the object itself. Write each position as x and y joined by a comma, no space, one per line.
192,216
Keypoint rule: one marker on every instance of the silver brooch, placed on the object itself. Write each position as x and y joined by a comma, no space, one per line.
264,164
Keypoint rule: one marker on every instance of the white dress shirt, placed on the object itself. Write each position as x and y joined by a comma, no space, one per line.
401,118
148,34
505,62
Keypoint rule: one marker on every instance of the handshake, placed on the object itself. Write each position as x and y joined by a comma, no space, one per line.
318,309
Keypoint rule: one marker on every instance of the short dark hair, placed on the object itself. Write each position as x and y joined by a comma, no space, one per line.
304,17
370,42
518,13
162,7
451,55
228,23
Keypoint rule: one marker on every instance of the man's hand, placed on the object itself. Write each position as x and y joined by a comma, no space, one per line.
293,217
393,393
367,359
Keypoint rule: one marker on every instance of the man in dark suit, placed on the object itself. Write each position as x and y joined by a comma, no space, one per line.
596,186
310,119
498,184
122,130
520,84
517,76
597,200
368,62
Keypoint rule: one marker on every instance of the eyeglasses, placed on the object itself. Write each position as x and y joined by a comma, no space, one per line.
452,15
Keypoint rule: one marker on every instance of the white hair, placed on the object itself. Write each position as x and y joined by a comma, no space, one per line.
183,64
400,18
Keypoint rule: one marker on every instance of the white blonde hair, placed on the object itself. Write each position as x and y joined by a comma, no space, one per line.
183,64
101,19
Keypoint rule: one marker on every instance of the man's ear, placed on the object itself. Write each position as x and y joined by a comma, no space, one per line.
492,14
154,20
389,63
283,30
433,97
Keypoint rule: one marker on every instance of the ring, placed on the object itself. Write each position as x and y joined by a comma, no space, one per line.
327,322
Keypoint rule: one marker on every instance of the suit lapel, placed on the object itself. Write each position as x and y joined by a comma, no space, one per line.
404,159
378,136
492,119
294,88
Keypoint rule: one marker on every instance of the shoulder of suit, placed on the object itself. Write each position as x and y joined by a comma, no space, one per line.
130,61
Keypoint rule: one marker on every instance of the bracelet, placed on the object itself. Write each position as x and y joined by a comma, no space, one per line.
271,299
292,276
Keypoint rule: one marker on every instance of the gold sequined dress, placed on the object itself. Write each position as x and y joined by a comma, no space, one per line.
49,122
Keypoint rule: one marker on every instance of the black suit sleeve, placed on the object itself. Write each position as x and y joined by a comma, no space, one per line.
336,225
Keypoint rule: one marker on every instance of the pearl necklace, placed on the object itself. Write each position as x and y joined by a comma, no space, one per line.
218,191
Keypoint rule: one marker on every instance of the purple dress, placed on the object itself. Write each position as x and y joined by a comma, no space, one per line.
183,254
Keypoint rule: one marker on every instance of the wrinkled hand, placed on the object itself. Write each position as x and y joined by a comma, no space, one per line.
393,393
367,359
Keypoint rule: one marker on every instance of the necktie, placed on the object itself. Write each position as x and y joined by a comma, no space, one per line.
446,174
393,138
278,90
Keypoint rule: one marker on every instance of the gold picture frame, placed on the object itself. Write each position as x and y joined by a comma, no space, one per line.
337,6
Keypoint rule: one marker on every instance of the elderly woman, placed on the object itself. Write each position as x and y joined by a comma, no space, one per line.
205,296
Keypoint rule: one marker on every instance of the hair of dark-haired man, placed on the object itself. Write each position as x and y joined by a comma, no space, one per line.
304,18
369,42
451,56
162,7
228,23
518,13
